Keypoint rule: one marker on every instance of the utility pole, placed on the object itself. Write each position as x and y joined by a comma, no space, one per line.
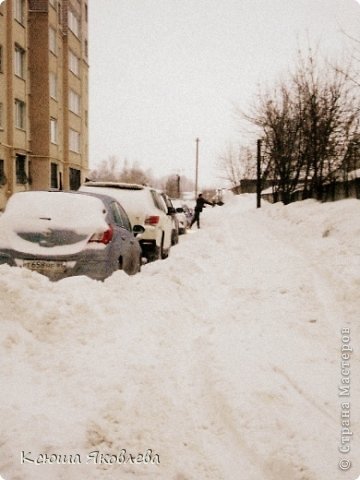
197,168
178,185
258,175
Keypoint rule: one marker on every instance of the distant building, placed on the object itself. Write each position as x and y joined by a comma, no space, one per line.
43,95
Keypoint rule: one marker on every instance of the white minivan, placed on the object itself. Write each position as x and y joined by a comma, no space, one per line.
144,206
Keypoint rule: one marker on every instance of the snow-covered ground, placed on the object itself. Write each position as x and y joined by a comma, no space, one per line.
223,361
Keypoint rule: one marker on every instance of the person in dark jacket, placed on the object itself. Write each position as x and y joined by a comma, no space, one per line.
200,203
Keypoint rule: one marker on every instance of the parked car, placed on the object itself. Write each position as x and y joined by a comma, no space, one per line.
62,234
189,212
145,206
174,218
181,216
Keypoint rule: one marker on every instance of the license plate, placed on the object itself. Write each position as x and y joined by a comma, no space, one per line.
45,266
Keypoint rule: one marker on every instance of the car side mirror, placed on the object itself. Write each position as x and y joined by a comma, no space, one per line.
138,230
180,210
171,210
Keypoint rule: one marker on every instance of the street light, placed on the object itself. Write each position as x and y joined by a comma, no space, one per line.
197,167
258,175
178,186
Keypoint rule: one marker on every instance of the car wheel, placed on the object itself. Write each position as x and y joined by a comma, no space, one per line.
164,253
131,265
174,237
154,254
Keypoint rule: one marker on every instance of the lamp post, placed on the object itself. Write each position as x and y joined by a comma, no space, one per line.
178,186
258,175
196,167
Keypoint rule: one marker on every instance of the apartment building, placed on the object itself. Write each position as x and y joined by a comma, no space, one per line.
43,95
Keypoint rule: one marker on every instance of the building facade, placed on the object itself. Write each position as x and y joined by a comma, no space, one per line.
43,95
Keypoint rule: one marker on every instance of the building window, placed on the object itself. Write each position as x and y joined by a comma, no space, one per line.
74,179
1,116
21,176
74,102
19,61
86,48
19,10
19,114
74,141
53,130
74,24
3,178
86,12
1,59
54,177
52,40
53,85
74,63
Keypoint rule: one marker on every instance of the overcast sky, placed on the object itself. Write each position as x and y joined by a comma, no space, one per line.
163,72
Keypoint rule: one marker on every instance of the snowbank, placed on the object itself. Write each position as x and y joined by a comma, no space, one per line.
222,362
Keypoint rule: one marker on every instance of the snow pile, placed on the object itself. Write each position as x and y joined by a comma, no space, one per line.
223,360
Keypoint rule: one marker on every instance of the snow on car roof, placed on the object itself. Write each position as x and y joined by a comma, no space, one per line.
121,185
58,208
39,201
135,200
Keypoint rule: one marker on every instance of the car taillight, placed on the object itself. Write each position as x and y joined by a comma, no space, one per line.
152,220
103,237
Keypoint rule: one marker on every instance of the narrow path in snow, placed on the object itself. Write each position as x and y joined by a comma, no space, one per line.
281,291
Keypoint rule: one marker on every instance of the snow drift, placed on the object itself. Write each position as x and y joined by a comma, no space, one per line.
223,360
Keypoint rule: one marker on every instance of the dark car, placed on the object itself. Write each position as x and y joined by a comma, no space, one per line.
62,234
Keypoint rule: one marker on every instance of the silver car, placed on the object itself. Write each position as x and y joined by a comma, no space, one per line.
61,234
181,216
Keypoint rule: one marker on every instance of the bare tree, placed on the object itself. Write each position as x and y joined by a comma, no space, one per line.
135,174
352,70
329,125
172,186
229,165
111,170
236,163
248,163
108,169
308,124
